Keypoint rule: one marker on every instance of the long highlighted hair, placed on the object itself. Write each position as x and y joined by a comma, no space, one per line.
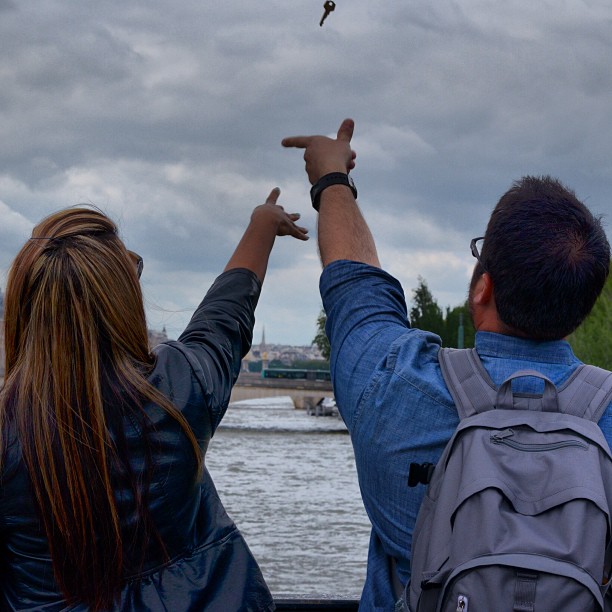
77,358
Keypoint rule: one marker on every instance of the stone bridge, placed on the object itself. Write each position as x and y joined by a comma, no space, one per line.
304,393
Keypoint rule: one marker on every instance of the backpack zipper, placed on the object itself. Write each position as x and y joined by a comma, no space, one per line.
503,437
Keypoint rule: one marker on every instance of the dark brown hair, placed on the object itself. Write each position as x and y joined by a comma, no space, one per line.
548,257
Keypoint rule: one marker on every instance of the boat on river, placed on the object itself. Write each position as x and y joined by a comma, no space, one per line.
326,406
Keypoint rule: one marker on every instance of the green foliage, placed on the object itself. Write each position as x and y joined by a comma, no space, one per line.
321,339
453,318
425,314
592,341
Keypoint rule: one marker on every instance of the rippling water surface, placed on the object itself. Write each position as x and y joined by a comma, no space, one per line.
288,480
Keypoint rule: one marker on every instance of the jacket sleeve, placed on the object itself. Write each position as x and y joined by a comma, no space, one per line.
219,335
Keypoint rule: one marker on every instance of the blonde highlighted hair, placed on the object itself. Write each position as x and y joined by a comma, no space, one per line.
77,357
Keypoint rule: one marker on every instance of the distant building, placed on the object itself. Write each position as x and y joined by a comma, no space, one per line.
263,349
286,354
156,337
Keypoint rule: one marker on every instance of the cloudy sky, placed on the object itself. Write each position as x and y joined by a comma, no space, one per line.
169,116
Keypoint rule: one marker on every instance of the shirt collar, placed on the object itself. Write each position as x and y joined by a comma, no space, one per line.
511,347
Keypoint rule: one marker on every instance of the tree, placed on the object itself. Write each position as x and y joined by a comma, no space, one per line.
592,341
452,319
321,339
425,313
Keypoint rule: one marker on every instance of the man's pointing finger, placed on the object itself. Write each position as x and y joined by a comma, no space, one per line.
300,142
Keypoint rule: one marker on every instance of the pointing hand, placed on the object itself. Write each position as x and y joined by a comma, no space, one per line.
324,155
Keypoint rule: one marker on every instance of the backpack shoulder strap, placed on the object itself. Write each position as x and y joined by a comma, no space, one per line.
470,386
587,393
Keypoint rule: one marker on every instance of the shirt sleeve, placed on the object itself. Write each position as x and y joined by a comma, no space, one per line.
220,333
366,313
390,392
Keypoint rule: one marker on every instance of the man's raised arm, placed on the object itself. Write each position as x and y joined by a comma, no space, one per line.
342,230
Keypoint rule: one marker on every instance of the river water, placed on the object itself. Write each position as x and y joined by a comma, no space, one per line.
288,480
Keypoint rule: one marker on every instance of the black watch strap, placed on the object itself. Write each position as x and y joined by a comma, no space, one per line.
333,178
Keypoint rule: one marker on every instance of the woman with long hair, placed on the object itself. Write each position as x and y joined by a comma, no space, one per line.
105,502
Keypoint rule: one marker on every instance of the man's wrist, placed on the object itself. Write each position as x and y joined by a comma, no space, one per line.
327,180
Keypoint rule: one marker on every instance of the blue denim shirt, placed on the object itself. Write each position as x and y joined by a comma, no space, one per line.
393,399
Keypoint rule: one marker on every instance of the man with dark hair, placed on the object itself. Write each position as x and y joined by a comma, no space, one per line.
548,256
540,267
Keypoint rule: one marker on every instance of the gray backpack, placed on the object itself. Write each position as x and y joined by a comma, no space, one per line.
518,513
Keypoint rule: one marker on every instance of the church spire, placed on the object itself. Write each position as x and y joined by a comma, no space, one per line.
263,349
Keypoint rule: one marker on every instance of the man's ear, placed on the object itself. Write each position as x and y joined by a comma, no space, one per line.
483,290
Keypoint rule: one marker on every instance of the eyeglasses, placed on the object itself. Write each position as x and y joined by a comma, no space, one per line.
138,262
475,252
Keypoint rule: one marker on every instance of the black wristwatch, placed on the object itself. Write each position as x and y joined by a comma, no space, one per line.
334,178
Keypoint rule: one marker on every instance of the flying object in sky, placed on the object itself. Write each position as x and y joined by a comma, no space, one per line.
329,6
